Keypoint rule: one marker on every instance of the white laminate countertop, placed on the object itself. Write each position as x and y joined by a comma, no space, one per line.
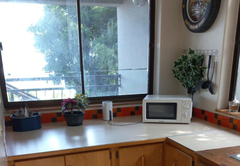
198,135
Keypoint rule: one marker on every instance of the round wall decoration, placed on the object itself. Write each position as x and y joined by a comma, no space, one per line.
199,15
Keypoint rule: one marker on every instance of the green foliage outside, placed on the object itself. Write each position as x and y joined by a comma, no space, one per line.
57,38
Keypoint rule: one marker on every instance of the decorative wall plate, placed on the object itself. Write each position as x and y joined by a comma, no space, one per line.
199,15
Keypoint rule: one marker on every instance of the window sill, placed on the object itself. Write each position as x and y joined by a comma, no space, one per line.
91,107
231,114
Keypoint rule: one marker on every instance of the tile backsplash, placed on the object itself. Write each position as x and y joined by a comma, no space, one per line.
89,114
137,110
217,119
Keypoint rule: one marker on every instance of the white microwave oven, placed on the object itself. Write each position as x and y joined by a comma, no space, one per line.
167,109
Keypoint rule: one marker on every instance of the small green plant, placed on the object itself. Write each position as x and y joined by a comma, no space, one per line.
188,70
82,101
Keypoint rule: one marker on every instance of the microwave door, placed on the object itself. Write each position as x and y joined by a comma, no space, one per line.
161,111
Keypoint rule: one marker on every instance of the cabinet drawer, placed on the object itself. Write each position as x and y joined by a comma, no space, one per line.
175,157
51,161
96,158
142,155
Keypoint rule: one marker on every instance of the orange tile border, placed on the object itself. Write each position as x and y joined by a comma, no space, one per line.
89,114
217,119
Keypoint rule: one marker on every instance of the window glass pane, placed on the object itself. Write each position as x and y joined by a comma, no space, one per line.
115,41
40,49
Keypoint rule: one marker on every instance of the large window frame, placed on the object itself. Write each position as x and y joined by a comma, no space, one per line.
94,100
235,64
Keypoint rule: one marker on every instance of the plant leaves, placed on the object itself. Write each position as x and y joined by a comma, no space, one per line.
187,69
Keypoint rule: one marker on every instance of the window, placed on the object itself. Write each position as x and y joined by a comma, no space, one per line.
53,49
235,82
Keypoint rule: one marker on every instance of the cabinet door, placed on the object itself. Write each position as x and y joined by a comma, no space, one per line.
142,155
201,164
51,161
175,157
97,158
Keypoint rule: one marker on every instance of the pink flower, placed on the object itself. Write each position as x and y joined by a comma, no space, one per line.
68,103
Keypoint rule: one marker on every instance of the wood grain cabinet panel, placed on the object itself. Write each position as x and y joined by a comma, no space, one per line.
51,161
175,157
96,158
143,155
201,164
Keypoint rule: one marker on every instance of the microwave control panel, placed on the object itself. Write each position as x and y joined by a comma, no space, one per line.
186,111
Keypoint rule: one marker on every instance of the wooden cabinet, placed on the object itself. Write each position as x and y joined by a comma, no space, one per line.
201,164
51,161
141,155
96,158
176,157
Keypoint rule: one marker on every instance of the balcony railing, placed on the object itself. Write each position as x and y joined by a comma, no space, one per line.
95,85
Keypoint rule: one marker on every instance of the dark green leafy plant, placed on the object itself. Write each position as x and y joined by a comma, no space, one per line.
187,69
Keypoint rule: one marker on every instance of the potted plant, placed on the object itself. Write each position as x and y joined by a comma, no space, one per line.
73,109
189,70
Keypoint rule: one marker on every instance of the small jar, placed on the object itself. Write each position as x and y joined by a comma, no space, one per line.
233,106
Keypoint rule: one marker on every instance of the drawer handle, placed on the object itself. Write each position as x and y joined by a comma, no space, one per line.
174,164
142,160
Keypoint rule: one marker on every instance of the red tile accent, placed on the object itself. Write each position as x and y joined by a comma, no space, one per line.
7,118
138,112
235,121
210,114
220,117
119,114
60,119
126,111
215,121
132,108
93,111
230,125
46,118
225,117
238,126
211,118
88,114
198,113
225,122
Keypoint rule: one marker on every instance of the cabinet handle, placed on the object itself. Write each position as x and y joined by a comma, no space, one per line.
174,164
142,160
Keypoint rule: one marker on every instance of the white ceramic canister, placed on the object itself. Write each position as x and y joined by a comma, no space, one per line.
107,108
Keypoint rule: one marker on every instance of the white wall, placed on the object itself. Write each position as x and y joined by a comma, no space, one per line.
168,31
212,39
174,37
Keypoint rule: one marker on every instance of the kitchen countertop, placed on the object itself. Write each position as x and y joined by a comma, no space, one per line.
198,135
219,156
